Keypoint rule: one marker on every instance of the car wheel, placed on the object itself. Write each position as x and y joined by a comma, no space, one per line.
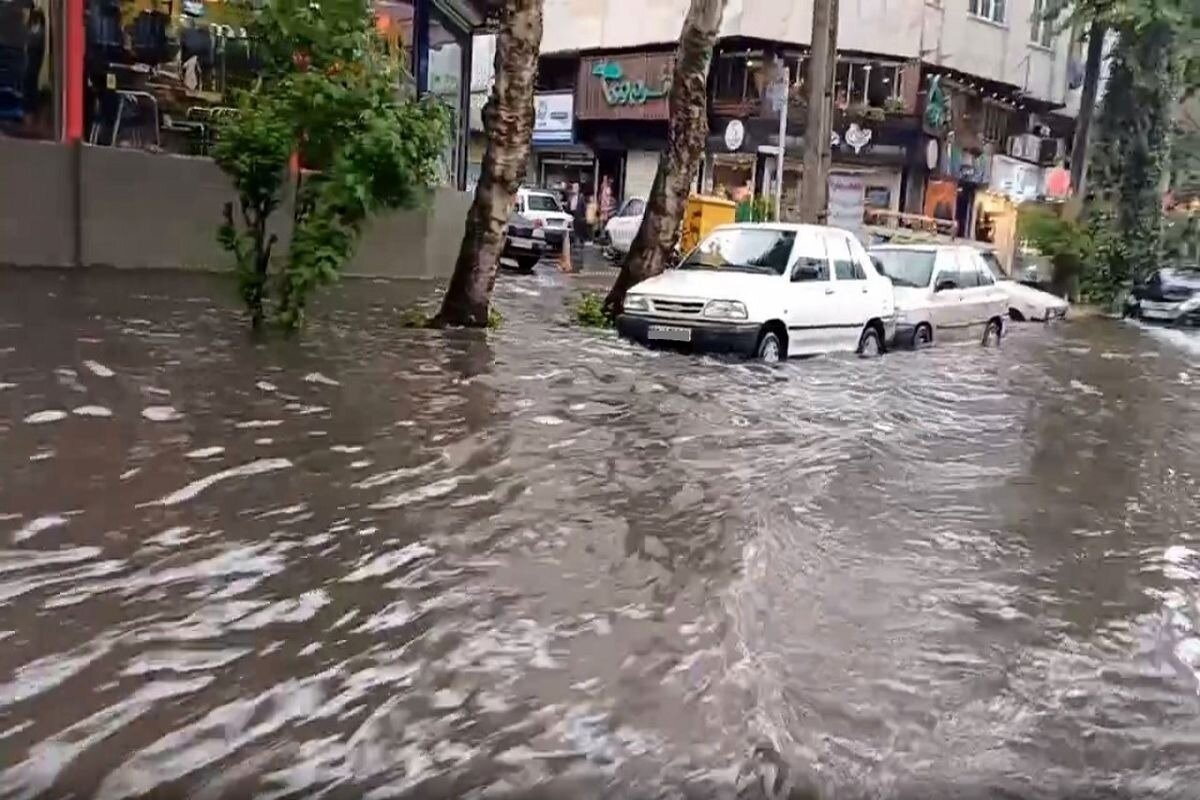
992,333
870,345
526,265
770,348
922,337
1015,315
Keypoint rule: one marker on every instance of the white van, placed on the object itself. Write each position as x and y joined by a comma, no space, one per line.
767,291
942,291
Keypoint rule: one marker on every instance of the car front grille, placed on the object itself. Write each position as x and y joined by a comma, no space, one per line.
676,306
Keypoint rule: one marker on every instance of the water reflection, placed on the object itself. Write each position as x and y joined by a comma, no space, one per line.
540,562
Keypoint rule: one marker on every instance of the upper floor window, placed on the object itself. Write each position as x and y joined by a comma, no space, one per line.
993,10
738,76
867,83
1041,29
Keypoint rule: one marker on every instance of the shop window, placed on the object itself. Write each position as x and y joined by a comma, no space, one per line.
394,21
28,29
446,84
159,74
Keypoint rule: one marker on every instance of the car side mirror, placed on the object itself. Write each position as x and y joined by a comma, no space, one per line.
943,286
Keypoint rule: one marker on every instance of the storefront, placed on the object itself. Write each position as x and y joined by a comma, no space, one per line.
158,76
133,88
741,156
621,113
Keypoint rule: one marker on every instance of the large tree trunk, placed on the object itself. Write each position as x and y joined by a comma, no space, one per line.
1087,106
508,122
688,129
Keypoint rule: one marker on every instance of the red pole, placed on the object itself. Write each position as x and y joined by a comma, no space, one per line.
73,96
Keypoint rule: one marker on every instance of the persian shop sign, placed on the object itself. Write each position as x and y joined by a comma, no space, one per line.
619,91
624,87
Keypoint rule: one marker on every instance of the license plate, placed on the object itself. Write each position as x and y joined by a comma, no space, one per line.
667,333
522,244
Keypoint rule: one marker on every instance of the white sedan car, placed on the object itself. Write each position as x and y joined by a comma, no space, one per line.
942,292
1025,302
768,292
623,226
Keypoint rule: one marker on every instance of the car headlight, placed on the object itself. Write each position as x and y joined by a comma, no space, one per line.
637,303
725,309
1191,304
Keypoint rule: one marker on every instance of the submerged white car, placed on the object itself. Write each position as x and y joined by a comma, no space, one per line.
1025,302
942,292
767,291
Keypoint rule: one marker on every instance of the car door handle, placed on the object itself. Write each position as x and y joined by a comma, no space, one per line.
865,290
829,291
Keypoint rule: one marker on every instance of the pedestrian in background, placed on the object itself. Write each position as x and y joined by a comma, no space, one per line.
608,203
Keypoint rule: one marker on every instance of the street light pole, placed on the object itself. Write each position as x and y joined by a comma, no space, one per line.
781,101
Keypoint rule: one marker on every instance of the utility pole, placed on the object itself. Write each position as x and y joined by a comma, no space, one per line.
822,60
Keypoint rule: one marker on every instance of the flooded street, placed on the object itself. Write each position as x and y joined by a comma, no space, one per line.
386,563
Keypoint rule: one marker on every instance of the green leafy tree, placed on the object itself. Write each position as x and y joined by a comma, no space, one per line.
328,95
1065,242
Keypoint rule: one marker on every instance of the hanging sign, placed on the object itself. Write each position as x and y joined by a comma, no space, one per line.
735,135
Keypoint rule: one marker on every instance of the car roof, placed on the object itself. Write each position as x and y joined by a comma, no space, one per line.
919,248
789,227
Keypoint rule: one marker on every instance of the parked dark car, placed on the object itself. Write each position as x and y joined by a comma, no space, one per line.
1170,295
524,243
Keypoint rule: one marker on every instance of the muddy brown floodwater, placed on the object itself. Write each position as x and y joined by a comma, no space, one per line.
385,563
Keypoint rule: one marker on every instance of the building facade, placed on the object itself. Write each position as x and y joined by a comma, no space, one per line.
944,108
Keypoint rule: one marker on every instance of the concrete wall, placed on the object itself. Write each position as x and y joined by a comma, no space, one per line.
37,188
152,210
940,33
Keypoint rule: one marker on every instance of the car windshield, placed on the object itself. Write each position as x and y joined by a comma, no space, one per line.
745,250
541,202
911,268
993,264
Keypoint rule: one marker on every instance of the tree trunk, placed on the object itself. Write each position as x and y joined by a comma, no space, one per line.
817,155
508,122
688,128
1087,105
